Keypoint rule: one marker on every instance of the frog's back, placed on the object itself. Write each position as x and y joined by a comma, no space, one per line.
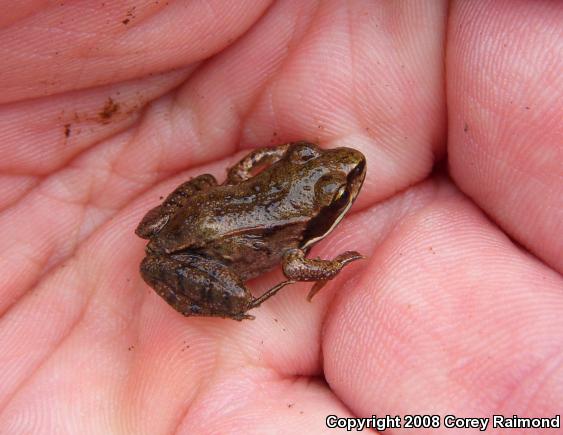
247,231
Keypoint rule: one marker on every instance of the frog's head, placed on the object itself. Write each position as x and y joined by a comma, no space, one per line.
335,176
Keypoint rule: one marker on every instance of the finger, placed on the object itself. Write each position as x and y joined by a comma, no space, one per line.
505,89
251,401
452,318
109,42
368,93
71,124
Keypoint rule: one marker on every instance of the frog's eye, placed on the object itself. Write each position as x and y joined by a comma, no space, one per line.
302,152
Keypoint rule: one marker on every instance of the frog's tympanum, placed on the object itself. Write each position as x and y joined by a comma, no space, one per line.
206,239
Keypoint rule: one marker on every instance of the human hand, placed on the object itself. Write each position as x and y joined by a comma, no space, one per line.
457,310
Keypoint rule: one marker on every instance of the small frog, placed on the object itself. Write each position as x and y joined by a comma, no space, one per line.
206,239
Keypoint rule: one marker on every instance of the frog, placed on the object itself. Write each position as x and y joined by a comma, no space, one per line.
206,239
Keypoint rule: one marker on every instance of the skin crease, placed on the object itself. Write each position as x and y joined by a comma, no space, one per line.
457,309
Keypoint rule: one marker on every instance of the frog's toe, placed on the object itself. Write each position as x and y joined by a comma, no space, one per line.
315,289
241,317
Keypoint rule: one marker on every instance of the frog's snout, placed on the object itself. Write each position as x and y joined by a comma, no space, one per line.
359,170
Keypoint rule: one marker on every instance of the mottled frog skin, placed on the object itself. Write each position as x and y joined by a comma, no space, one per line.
206,239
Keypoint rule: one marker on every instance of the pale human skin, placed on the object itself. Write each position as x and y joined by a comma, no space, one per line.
456,310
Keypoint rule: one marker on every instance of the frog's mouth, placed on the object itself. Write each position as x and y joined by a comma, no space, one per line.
329,217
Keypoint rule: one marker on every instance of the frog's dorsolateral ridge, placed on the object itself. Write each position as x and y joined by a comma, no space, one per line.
206,239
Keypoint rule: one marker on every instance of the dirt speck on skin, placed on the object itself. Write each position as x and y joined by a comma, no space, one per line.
129,16
67,130
110,109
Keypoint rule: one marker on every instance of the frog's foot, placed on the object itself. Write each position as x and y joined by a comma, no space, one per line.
256,302
297,267
235,316
240,317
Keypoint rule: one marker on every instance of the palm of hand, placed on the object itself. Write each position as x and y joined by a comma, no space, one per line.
447,315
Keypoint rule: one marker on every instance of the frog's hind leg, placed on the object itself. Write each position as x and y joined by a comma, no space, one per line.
197,286
260,157
157,217
297,267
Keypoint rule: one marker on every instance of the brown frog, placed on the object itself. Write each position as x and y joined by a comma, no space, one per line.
206,239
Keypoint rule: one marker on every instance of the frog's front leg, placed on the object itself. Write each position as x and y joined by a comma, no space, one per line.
197,286
298,268
157,217
259,157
